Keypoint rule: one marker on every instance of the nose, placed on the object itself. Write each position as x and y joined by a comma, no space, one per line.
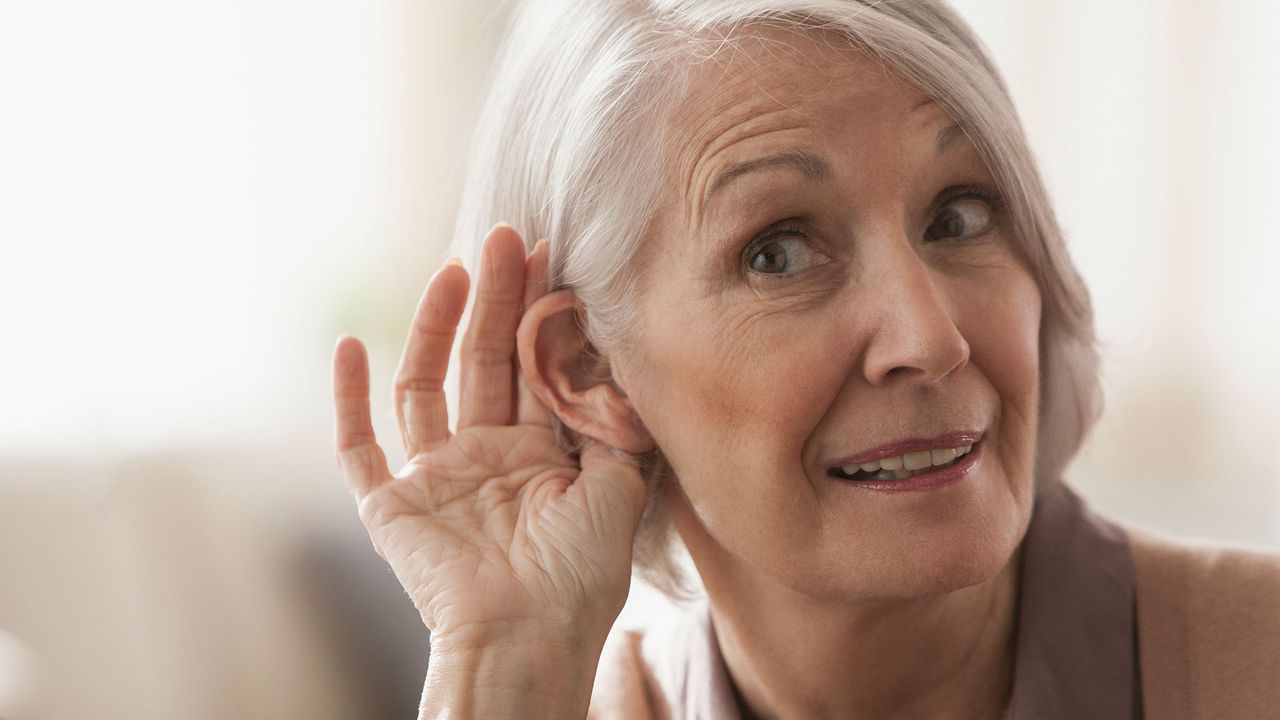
914,337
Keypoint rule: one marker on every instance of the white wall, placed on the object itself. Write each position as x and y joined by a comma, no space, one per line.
1156,127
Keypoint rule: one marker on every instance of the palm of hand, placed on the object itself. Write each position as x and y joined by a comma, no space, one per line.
492,529
492,522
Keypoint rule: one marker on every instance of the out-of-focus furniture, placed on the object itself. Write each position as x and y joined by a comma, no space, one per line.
230,584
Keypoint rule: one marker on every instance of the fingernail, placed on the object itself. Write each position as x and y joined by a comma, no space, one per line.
539,244
502,223
455,260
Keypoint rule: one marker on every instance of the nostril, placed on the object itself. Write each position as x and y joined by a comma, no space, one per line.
904,370
912,356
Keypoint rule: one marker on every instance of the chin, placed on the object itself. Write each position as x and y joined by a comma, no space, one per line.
957,568
935,563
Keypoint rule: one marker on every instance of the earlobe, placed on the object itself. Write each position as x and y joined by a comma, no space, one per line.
552,349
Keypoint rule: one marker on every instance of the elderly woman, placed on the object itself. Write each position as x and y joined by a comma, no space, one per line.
802,309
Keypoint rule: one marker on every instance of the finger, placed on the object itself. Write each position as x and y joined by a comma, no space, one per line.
421,413
487,370
530,410
535,273
363,464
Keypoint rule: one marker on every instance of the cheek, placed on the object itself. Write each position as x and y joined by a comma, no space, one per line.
731,399
1004,337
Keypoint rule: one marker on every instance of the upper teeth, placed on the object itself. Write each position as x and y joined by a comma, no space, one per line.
911,460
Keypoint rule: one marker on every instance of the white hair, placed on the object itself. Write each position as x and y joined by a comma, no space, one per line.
569,147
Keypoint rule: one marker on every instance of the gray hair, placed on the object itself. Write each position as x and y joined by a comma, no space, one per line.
569,148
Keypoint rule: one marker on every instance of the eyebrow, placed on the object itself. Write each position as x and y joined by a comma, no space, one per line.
947,138
813,167
810,165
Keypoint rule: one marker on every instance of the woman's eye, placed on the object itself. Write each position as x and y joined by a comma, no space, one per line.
783,255
961,218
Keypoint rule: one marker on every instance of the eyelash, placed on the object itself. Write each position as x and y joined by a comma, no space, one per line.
993,199
793,226
786,228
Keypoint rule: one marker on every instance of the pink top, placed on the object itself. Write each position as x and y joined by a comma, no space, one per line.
1076,651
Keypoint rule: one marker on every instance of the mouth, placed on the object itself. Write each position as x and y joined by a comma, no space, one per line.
906,459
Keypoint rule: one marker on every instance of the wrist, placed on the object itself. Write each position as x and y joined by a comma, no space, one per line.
567,637
524,675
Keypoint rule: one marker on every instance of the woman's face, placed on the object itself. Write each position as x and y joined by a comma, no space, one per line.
831,275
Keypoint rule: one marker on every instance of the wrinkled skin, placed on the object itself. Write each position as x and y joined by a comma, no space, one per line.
492,530
801,312
885,305
878,333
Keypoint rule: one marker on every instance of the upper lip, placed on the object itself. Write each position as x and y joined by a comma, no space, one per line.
958,438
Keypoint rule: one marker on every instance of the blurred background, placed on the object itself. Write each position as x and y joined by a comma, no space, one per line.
197,197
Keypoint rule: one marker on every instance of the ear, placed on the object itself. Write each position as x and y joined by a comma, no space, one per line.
567,376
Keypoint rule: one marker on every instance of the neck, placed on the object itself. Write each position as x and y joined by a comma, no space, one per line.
792,656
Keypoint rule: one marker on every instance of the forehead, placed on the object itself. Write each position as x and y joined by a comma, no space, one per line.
778,88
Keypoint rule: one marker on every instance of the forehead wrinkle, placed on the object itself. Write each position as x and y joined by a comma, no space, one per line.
811,165
701,171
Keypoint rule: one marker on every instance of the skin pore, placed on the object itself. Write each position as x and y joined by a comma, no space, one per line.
831,269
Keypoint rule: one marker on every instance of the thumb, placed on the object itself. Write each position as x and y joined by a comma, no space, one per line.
612,487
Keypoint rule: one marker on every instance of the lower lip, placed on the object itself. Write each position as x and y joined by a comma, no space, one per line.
942,477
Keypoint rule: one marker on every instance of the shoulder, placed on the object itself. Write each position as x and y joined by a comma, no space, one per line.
1208,626
670,670
623,681
641,669
1204,559
1237,585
